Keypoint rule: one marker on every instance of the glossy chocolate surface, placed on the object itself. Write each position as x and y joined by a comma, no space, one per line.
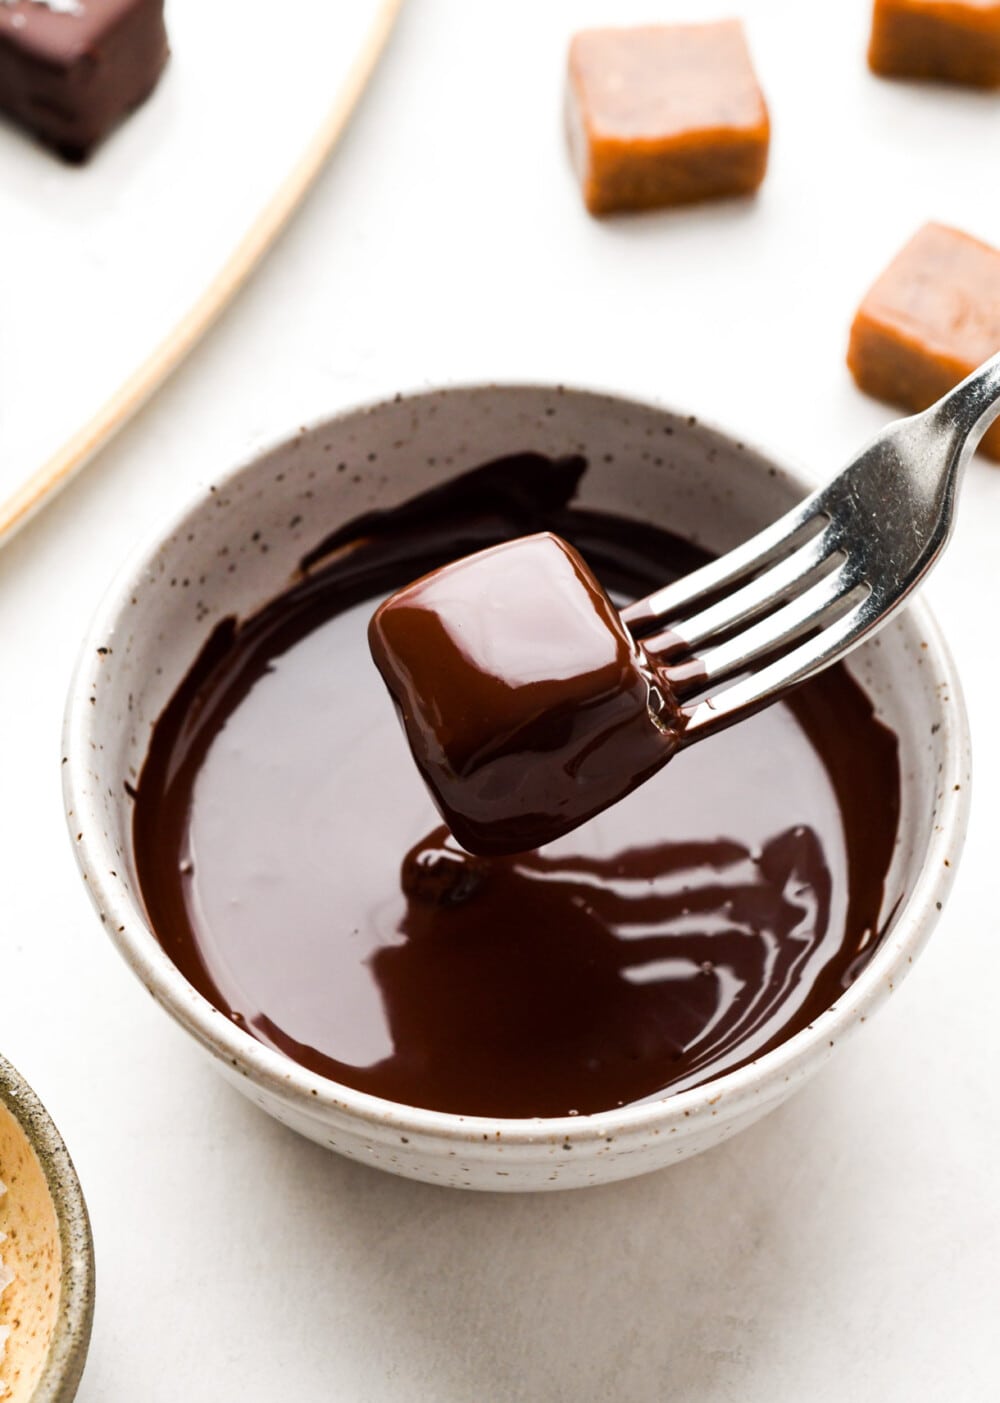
294,868
528,706
70,70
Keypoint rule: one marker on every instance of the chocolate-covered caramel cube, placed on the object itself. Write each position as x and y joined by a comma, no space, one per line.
665,115
930,319
527,704
955,41
70,70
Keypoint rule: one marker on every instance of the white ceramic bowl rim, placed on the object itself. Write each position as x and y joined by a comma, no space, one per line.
127,924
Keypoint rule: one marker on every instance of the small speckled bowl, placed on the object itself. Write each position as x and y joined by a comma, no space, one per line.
240,543
48,1304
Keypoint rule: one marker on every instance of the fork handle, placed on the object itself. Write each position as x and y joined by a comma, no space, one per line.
971,407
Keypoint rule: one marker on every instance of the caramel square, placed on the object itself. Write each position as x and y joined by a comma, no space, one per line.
956,41
665,115
929,321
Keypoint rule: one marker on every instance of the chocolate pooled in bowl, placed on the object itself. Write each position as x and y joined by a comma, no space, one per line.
296,872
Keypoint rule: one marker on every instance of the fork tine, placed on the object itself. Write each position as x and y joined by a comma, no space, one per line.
697,590
762,596
816,607
894,503
715,713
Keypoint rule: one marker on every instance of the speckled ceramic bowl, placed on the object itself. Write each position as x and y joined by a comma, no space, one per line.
239,544
48,1303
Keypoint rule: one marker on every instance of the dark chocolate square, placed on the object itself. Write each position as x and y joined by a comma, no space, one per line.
70,70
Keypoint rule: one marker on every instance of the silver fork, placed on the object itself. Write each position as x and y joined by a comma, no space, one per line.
740,632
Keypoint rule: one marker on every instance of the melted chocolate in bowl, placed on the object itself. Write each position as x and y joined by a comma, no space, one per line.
296,872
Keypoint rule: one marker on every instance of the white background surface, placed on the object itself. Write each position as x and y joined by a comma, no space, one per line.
846,1248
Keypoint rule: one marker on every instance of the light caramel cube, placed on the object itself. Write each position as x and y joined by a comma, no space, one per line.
665,115
929,320
957,41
